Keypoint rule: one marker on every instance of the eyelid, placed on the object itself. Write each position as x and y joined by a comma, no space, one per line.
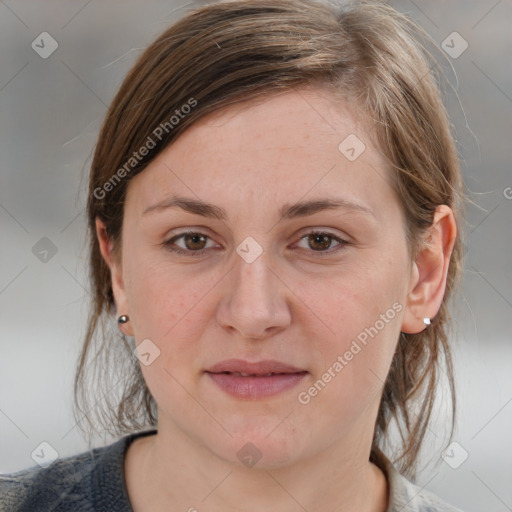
310,230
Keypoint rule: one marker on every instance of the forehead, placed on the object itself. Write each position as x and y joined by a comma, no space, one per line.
301,144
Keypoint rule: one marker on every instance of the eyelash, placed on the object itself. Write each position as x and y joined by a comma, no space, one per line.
169,244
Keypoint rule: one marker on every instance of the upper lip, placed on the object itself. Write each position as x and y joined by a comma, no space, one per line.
256,368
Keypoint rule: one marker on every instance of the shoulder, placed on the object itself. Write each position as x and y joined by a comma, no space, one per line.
90,481
61,486
405,496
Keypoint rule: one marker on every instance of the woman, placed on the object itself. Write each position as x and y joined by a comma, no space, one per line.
273,212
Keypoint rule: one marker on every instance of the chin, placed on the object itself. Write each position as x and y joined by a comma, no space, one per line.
260,447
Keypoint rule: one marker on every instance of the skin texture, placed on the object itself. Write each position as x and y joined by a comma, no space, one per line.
290,304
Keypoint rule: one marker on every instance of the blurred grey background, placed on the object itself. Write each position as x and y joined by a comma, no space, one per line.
51,108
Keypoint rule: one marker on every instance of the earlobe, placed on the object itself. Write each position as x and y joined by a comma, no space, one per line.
430,270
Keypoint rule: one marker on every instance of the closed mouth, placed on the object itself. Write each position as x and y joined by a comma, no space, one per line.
263,368
269,374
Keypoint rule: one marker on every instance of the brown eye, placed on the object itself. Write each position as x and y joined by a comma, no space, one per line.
194,241
321,243
190,244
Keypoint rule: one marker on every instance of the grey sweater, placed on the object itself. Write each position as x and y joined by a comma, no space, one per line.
93,481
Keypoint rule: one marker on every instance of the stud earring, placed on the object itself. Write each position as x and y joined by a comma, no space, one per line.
122,319
426,321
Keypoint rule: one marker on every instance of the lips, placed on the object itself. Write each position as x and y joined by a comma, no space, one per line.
247,369
264,379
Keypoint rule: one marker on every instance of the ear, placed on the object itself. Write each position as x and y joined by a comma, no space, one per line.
116,275
429,271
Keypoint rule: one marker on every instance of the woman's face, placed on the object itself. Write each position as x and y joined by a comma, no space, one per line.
254,283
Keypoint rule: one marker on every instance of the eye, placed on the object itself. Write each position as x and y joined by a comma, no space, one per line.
194,243
320,241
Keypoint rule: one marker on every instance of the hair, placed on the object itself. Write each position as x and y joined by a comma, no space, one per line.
228,53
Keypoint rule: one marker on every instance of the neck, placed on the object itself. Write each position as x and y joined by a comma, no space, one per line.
169,468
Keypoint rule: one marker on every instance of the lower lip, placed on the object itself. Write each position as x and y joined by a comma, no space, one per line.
256,387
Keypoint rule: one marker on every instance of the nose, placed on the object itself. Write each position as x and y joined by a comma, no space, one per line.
256,303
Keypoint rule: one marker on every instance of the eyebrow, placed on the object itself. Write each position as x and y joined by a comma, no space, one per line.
288,211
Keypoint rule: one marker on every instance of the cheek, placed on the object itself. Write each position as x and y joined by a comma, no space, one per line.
359,319
163,297
172,307
345,305
353,362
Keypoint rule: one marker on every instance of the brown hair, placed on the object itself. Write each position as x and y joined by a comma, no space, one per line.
228,53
